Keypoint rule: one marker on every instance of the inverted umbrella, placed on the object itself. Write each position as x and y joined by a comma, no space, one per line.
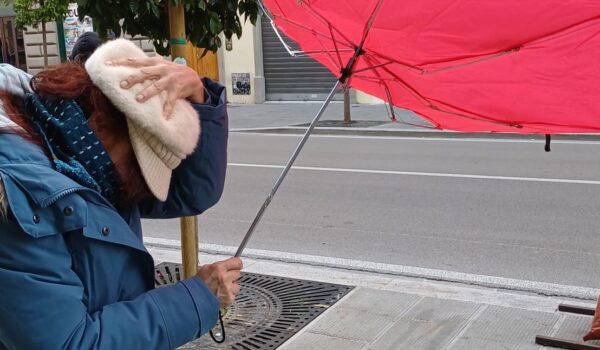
467,65
464,65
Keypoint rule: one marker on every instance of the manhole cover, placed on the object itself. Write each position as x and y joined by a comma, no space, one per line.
268,310
341,124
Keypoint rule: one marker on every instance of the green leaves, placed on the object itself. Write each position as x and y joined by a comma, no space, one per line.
32,12
205,19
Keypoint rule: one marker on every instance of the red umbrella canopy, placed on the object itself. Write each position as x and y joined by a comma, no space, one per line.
465,65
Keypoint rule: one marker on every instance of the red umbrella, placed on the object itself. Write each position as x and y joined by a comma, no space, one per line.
466,65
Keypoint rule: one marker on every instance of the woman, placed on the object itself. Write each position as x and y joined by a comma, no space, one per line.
84,153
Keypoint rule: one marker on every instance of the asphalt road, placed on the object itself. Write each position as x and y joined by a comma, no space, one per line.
491,207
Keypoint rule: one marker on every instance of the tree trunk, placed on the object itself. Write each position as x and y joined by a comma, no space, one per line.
347,118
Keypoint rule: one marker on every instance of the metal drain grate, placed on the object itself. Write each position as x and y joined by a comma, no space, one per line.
268,310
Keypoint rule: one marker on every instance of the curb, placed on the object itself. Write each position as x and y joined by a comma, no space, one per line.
415,133
500,283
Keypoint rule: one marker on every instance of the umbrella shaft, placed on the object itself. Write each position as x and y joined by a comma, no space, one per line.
287,168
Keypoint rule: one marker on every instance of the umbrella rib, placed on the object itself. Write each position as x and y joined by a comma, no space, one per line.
484,119
369,23
316,52
387,90
389,95
427,102
424,71
372,66
310,30
316,34
490,57
430,72
328,52
476,116
325,21
279,7
264,9
335,45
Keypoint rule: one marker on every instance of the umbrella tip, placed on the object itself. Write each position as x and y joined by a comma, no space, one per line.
548,139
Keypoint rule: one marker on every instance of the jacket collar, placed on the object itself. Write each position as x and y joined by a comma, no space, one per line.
31,173
14,150
27,164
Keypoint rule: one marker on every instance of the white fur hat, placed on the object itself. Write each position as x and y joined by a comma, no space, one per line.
159,144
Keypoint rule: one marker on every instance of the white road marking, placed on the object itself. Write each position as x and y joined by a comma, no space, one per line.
417,173
160,248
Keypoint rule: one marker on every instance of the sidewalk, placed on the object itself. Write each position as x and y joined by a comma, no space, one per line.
388,311
370,120
392,307
286,114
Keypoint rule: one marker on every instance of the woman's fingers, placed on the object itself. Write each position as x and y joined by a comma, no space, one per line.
141,75
133,62
221,277
178,81
230,288
152,90
227,294
234,264
170,103
235,275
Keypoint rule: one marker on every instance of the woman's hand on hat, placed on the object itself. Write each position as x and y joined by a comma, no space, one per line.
221,278
177,80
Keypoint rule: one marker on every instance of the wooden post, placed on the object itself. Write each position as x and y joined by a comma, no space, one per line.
189,245
189,225
177,30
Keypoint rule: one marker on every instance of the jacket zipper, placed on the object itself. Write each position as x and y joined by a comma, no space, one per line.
49,201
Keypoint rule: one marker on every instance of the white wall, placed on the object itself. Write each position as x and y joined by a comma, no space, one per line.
245,57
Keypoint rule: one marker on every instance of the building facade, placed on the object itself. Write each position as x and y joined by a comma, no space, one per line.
254,68
257,68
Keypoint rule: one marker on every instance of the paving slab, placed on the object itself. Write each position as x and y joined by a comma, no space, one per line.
353,324
505,328
573,328
430,324
314,341
380,302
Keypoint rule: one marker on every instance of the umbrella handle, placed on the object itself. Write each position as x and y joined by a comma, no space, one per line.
222,334
287,168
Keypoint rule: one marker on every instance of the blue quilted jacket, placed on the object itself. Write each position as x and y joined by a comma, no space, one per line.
74,273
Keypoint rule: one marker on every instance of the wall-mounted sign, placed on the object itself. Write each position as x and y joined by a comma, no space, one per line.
73,28
241,83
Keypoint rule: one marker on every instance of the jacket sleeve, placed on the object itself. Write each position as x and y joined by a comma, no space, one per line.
197,184
42,303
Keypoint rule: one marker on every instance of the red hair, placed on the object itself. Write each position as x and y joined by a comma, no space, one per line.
13,107
71,81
